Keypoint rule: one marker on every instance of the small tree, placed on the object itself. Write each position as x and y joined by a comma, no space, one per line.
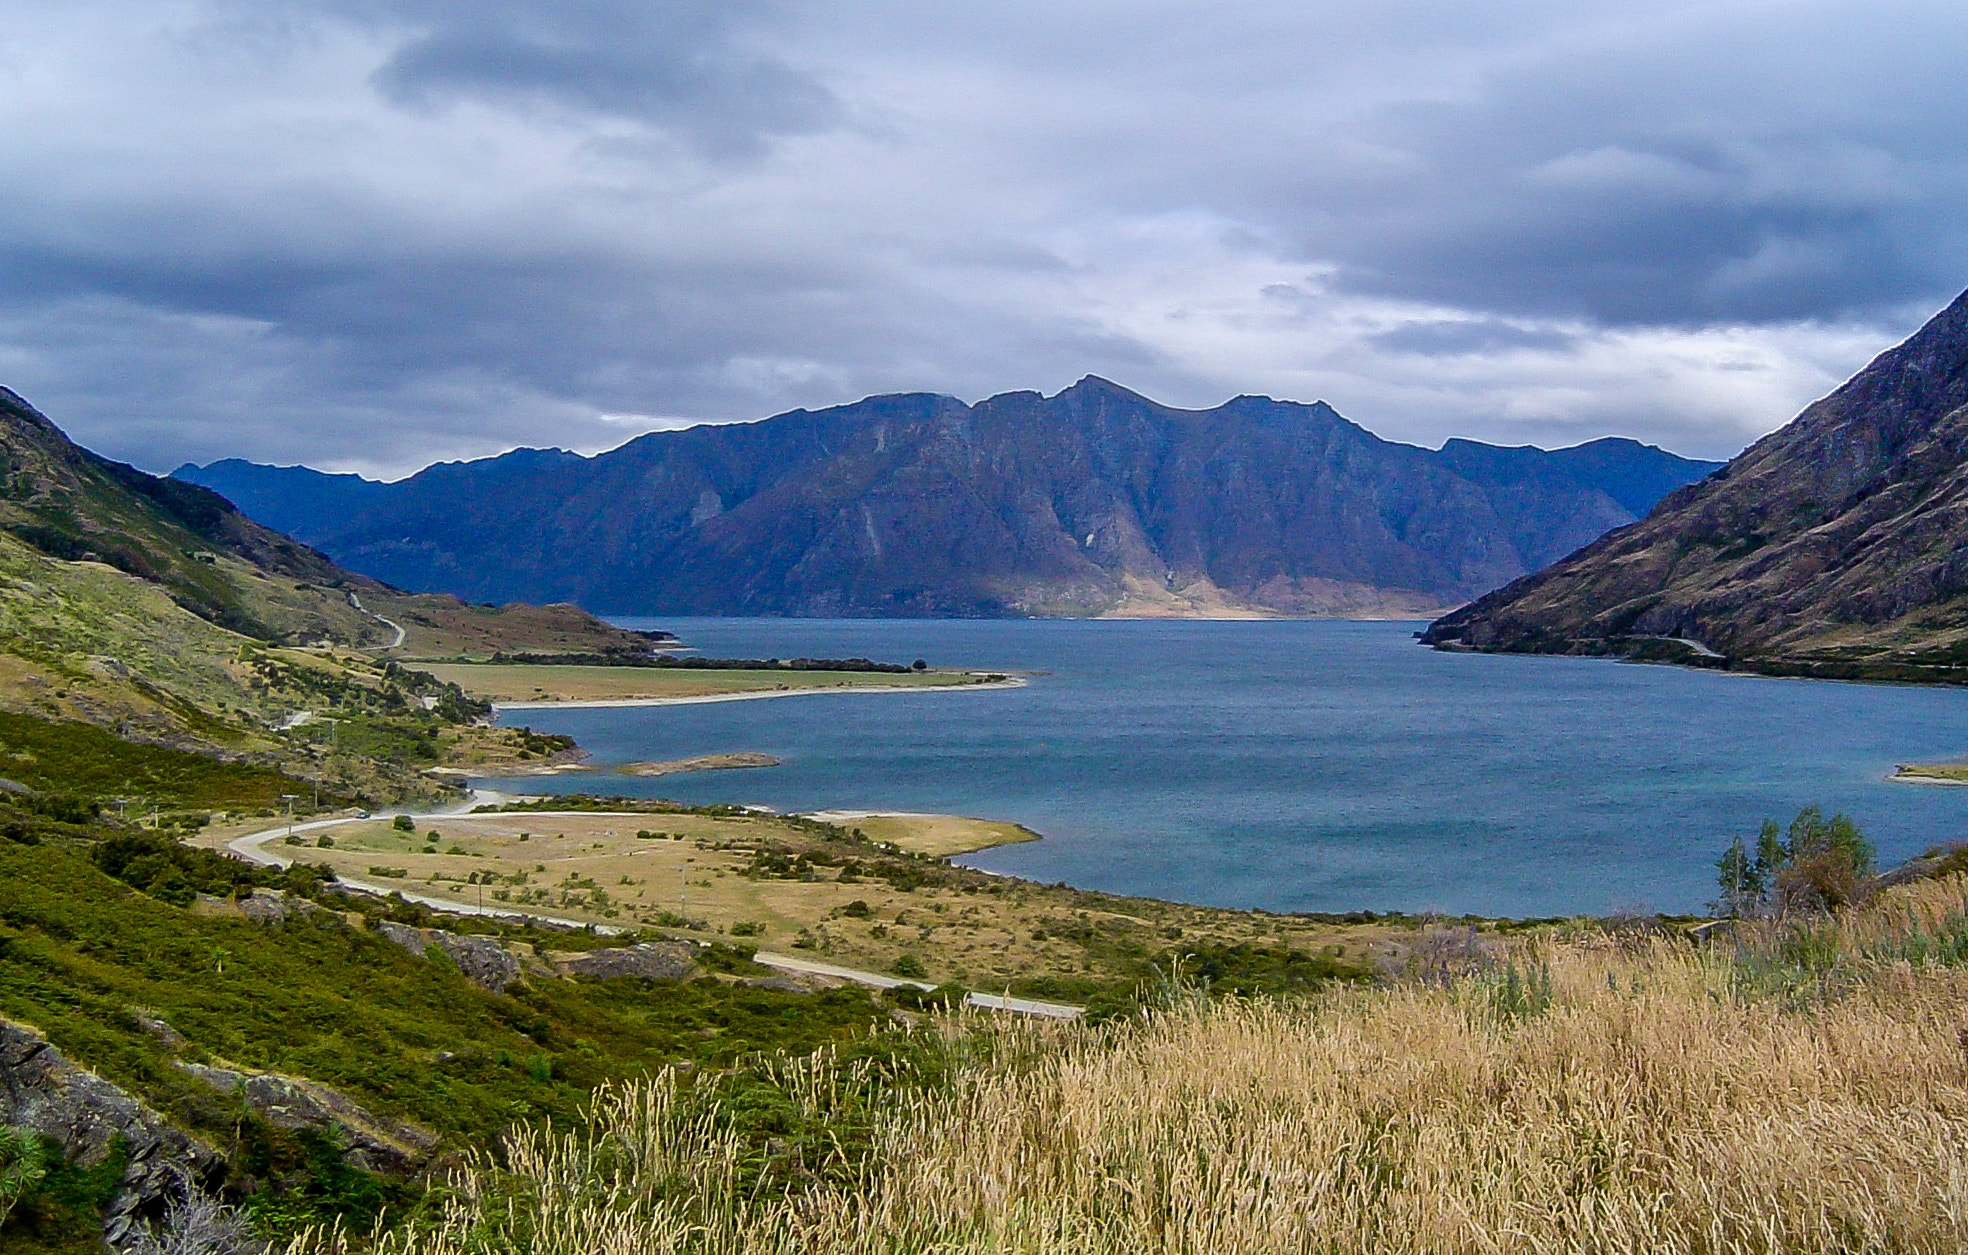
1829,862
1742,880
1819,864
22,1167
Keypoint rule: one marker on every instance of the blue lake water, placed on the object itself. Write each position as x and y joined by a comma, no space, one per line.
1307,765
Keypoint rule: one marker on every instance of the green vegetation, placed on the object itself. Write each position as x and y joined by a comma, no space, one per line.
92,962
1819,864
85,761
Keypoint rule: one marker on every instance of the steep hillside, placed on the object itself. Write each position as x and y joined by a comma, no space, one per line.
1094,501
155,610
1836,545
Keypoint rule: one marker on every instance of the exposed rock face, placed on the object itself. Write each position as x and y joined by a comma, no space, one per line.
652,960
40,1089
1096,500
272,906
1841,537
483,960
375,1144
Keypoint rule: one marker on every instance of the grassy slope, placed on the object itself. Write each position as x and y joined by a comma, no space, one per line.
82,760
1602,1094
343,1006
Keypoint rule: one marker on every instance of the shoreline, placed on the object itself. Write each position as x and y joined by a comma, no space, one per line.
1902,776
610,703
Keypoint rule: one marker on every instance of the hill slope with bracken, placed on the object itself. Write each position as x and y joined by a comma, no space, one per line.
1836,545
1092,501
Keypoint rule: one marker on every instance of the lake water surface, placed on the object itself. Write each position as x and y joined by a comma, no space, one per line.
1306,765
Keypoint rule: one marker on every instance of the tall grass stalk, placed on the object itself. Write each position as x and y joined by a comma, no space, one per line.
1623,1101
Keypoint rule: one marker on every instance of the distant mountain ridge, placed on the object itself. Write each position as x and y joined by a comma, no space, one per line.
1093,501
1837,545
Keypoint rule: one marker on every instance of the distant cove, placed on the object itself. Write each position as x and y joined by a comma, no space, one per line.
1305,765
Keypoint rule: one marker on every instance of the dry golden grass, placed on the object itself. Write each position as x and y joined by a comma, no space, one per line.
982,930
939,836
1651,1107
505,683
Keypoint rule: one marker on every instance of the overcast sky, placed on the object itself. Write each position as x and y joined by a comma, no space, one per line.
371,234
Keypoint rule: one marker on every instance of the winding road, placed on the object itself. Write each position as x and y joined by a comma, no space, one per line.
388,623
252,848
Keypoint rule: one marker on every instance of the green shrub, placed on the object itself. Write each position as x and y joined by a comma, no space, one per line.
74,765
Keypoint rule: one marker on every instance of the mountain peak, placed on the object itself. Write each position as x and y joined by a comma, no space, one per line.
1095,500
1089,386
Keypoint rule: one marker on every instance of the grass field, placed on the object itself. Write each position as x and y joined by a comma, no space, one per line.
507,683
781,886
939,836
1948,773
1798,1093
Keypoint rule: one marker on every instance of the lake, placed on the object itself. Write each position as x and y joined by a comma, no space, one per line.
1324,766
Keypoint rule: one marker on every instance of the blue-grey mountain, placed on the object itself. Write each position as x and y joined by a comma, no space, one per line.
1092,501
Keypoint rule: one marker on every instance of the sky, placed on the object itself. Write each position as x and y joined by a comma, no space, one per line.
371,234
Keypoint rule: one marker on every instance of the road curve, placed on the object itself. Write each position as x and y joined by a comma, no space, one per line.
392,624
252,848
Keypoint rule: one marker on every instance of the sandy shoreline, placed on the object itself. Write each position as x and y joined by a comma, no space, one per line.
1900,777
1009,682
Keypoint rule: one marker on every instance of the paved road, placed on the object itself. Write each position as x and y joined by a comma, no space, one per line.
1701,650
388,623
252,848
989,1002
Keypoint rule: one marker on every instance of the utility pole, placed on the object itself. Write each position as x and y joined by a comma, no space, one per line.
290,799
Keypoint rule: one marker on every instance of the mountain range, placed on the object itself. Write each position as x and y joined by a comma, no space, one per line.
1094,501
1837,545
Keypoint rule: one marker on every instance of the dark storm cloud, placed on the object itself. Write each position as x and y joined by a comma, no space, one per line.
372,233
680,65
1755,163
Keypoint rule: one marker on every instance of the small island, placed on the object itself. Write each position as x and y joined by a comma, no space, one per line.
1930,773
702,762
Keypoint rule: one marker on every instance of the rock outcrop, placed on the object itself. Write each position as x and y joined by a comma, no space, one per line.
374,1143
483,960
88,1117
651,960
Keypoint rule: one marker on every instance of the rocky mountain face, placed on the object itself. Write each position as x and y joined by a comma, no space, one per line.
1836,545
1093,501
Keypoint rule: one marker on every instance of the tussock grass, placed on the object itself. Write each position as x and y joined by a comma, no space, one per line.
1642,1096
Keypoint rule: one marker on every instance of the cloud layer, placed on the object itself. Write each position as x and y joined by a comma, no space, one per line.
368,234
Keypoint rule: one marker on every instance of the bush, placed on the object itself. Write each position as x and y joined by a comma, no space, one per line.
1818,865
403,823
908,965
